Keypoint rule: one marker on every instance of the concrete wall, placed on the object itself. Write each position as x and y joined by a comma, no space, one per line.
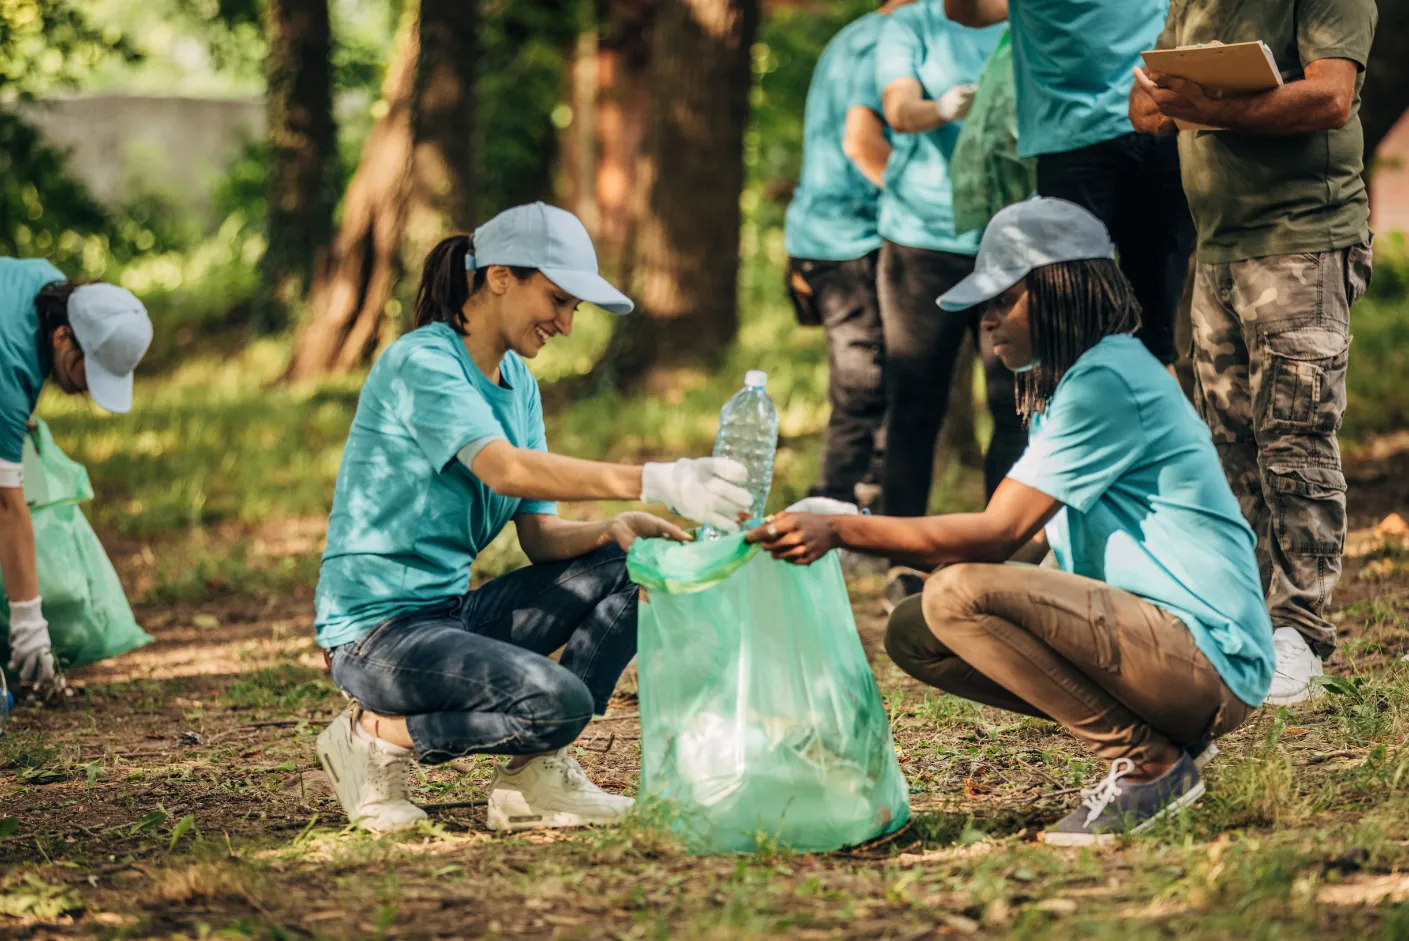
1389,187
123,145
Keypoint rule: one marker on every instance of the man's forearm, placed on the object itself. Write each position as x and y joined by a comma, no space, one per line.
1295,108
552,539
17,559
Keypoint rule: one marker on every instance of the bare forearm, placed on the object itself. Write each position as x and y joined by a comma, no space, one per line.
17,559
928,541
550,539
914,115
976,12
1295,108
534,475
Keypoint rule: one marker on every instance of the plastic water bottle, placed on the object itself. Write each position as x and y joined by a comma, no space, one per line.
748,433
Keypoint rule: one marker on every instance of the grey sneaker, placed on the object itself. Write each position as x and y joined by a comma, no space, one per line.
1201,753
1115,806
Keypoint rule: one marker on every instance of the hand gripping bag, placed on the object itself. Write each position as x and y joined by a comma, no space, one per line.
87,610
761,721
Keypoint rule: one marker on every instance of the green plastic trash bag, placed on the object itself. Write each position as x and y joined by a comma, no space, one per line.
89,617
986,171
761,722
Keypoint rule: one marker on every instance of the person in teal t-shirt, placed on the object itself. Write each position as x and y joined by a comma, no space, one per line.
1073,61
832,244
927,68
1152,638
87,339
446,448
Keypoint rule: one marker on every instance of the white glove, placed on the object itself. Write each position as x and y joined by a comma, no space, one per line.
955,103
704,489
30,655
824,506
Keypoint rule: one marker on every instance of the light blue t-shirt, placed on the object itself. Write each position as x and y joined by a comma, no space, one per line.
917,203
23,363
1073,62
832,216
409,518
1147,508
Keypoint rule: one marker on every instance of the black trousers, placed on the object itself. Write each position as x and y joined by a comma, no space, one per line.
1132,184
843,299
922,348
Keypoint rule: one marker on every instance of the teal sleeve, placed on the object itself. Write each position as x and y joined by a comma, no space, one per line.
865,93
899,51
1335,29
538,441
1089,437
439,406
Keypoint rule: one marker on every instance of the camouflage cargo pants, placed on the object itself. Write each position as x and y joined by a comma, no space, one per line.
1271,343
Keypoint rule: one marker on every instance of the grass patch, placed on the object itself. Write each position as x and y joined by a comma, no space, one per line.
285,688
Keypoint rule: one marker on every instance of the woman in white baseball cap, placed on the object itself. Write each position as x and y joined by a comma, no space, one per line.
448,447
87,339
1152,638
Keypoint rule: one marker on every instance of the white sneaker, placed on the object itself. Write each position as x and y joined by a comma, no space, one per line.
370,783
551,791
1297,665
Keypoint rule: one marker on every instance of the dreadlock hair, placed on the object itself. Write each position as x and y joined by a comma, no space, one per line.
1072,305
444,286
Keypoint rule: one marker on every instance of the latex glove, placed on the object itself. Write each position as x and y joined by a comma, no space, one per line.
955,103
704,489
824,506
30,654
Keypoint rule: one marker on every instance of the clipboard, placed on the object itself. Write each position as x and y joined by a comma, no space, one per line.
1223,71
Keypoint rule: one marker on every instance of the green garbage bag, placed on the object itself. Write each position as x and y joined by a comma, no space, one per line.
761,722
986,171
89,617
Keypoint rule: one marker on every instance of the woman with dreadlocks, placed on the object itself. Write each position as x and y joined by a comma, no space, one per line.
1153,638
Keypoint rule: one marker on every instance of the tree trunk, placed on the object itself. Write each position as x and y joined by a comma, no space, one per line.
302,187
624,53
353,287
442,192
1386,93
690,175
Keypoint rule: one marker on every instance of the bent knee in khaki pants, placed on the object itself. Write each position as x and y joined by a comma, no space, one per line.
1122,674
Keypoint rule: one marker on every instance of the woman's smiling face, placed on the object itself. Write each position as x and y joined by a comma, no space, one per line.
536,310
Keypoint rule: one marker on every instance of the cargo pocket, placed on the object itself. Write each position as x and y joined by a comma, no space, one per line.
1303,381
1308,509
1105,632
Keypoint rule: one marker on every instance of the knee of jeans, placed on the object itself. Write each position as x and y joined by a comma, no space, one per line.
563,709
857,366
952,594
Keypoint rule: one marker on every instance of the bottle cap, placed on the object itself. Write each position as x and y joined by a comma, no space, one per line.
755,379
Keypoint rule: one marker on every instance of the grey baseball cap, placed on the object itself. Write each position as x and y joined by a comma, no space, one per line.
555,242
1027,235
114,331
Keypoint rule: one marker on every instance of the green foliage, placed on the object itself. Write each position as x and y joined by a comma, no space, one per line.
50,43
284,688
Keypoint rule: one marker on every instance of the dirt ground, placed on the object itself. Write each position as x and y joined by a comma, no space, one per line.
177,795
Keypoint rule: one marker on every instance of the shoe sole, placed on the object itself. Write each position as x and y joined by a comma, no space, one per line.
325,747
1102,839
1209,753
498,821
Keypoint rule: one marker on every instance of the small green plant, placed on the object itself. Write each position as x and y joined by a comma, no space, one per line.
286,687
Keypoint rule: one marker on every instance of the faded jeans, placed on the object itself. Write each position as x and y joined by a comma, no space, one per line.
472,675
1120,673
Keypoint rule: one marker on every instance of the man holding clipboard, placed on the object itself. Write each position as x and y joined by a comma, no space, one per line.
1275,183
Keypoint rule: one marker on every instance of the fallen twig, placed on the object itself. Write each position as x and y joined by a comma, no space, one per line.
1035,770
1324,757
453,805
631,715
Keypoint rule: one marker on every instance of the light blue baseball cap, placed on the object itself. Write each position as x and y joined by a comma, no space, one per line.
114,331
1027,235
555,242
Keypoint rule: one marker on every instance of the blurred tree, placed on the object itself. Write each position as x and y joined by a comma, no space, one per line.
1385,96
690,176
302,181
624,53
352,289
441,195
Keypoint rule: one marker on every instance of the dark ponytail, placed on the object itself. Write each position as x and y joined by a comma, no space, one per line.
445,286
52,304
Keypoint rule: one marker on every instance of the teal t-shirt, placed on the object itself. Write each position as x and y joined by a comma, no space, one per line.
23,364
832,216
408,517
1147,508
1073,60
917,203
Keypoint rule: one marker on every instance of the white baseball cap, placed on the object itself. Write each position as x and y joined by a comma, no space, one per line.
555,242
1039,231
114,331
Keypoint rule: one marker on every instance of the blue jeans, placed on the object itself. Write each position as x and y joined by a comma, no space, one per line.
471,675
